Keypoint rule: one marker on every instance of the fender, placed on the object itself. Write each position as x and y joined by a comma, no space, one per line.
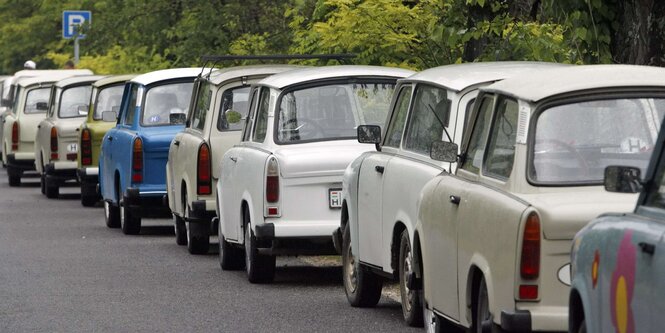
479,262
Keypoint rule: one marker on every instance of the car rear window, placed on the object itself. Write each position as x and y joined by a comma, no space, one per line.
162,100
108,99
34,96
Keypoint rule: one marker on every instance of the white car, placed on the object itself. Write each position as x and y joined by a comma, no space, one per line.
20,122
493,240
381,189
56,141
280,187
220,101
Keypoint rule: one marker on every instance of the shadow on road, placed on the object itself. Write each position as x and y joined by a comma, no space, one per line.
157,230
69,196
308,275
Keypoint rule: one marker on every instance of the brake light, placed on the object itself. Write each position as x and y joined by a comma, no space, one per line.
137,161
54,143
530,263
272,181
15,136
86,147
203,184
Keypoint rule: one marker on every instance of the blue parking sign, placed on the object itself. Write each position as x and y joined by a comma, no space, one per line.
72,19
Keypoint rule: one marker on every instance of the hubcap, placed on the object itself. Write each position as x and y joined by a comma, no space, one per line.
430,321
248,247
122,213
351,275
106,210
405,277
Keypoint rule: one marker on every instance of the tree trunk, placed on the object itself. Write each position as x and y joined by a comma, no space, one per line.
638,38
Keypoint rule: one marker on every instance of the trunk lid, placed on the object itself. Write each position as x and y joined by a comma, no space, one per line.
318,158
69,128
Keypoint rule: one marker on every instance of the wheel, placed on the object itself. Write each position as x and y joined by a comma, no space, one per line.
482,318
88,197
111,215
14,177
260,268
412,307
198,240
362,287
230,257
52,190
130,224
180,230
42,183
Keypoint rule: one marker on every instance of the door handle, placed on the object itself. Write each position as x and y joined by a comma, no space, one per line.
78,129
234,159
176,142
455,200
39,126
379,169
647,248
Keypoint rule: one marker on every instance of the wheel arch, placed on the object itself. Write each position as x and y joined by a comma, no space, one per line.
576,313
398,228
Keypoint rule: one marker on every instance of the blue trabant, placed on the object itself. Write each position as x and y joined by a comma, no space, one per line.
618,260
132,161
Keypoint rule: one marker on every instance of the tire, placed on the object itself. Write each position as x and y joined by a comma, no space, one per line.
87,199
52,190
111,215
180,230
130,224
14,177
412,306
42,184
260,268
198,240
231,258
362,287
481,312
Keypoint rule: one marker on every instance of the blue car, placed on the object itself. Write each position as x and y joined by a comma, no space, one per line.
132,161
618,260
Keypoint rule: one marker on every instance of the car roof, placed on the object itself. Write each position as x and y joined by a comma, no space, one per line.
222,75
50,76
166,74
458,77
534,87
304,75
47,72
77,80
113,79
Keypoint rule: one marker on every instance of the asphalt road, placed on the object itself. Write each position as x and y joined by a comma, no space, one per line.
63,270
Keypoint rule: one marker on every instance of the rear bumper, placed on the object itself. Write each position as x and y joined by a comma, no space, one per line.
199,212
536,319
278,239
60,172
21,161
88,175
146,204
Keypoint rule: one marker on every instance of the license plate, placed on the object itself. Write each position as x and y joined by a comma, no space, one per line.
72,147
335,197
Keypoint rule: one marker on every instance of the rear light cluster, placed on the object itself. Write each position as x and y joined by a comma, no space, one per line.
54,143
137,161
530,260
86,147
15,136
272,187
203,178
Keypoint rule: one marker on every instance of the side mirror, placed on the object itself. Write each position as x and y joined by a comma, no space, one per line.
42,106
177,118
622,179
369,134
233,117
444,151
83,110
109,116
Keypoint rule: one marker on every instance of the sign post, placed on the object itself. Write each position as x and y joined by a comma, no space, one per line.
72,21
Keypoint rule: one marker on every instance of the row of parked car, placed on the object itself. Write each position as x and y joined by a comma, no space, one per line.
466,183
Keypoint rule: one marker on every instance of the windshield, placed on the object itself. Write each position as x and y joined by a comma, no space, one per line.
575,142
74,102
108,99
38,95
333,111
163,100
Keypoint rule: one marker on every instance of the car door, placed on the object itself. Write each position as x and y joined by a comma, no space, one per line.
231,193
370,183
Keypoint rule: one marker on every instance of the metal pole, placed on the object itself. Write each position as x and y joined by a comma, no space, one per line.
76,49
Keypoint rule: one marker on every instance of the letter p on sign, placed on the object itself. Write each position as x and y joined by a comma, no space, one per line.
72,20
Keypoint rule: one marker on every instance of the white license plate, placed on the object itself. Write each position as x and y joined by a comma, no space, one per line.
335,197
72,147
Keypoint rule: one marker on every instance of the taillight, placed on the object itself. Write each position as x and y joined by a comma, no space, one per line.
272,181
86,147
54,143
203,179
137,161
530,263
15,136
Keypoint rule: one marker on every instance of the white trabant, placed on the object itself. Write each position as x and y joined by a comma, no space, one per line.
219,103
31,92
381,189
280,187
56,140
492,242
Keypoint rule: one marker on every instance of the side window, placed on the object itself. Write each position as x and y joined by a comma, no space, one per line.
130,108
234,108
396,127
261,126
431,110
249,120
474,151
202,106
501,146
